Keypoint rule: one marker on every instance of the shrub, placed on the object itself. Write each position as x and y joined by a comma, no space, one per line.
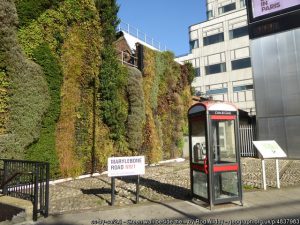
167,98
44,148
136,117
28,90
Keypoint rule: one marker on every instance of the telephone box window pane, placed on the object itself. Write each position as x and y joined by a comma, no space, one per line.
223,141
226,185
198,140
200,184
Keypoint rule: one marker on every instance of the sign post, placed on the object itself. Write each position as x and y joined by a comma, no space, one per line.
269,150
125,166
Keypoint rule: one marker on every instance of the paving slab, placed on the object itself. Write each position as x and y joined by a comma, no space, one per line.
260,207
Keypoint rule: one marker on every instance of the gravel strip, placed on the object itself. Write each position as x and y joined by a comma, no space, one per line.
163,182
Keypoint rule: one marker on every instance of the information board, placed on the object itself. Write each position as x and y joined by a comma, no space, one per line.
269,149
264,7
126,166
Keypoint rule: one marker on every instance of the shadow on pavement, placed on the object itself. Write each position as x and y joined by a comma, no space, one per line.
96,191
171,190
176,192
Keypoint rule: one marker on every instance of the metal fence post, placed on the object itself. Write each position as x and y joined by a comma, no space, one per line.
113,191
137,197
47,190
35,192
5,176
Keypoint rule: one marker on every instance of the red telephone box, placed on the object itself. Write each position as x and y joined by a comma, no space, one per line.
214,152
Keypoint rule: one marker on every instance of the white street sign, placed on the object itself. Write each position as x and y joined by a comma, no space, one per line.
126,166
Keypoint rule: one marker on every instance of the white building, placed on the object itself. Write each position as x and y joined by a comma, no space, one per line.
219,51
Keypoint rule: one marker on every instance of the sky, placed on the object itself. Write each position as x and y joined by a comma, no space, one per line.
167,21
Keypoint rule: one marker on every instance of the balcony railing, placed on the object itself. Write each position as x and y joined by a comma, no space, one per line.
139,34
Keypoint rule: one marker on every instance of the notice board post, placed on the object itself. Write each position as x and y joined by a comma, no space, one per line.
125,166
269,150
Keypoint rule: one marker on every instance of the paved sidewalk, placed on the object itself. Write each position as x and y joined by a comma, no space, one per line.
260,207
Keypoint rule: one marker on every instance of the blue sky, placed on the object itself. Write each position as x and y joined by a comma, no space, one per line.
166,21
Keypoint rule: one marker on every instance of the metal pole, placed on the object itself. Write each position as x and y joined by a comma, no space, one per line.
35,193
112,191
94,128
5,177
264,174
277,173
137,197
47,190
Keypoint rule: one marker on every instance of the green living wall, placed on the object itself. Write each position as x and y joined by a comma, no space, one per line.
23,88
50,113
65,98
167,91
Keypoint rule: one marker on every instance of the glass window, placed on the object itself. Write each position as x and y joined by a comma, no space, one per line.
243,87
227,8
197,72
226,185
217,91
194,44
200,184
243,3
209,14
212,39
223,141
241,63
217,68
238,32
198,139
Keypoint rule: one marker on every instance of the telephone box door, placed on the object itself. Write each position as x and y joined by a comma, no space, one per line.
198,156
225,182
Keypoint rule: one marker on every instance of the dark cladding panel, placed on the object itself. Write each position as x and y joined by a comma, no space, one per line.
259,80
276,71
267,77
293,136
289,62
271,71
273,129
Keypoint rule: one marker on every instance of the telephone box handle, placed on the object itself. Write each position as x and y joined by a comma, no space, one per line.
205,166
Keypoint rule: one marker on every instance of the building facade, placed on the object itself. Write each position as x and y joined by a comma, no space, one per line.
220,54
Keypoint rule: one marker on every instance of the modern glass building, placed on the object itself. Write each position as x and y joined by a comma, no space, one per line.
275,49
219,51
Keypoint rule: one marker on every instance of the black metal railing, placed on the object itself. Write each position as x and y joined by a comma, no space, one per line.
247,135
27,180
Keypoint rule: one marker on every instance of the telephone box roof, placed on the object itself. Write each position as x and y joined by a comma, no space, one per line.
212,106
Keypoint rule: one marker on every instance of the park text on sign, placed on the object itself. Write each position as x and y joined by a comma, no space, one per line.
126,166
